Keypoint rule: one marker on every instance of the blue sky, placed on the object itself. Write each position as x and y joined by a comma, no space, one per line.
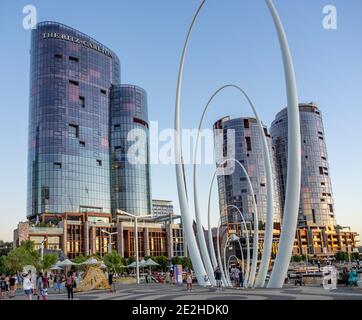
234,42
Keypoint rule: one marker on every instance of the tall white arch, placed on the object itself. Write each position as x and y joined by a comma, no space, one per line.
255,239
293,180
268,239
292,194
187,220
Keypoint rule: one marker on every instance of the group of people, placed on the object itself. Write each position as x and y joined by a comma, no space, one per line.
236,277
350,278
8,286
35,284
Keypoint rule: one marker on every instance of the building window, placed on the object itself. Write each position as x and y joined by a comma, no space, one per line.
75,59
57,165
313,214
73,131
75,83
99,162
324,158
248,143
246,123
103,91
330,208
262,184
58,56
117,127
82,101
82,144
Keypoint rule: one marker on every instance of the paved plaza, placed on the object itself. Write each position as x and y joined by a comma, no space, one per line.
172,292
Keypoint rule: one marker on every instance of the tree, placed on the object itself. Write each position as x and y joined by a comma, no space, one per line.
130,260
162,261
49,259
355,255
113,261
296,258
176,260
261,225
5,248
18,258
341,256
186,263
79,259
3,267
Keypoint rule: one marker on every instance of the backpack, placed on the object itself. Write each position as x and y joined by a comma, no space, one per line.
3,284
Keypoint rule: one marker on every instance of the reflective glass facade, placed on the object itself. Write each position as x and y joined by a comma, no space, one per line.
316,201
234,189
68,160
130,169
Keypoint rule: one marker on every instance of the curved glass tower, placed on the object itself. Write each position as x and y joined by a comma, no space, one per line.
68,160
130,169
316,200
233,189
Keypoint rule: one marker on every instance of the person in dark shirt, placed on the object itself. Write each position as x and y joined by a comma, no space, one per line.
217,275
110,281
12,282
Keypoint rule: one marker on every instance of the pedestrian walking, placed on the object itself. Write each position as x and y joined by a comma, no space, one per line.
217,275
241,279
39,284
3,285
189,281
27,286
110,281
70,286
167,277
58,282
12,283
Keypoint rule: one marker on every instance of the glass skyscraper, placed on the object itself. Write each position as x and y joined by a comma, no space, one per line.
130,170
71,81
316,200
234,189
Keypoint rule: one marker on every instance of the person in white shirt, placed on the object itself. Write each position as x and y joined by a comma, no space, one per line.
27,286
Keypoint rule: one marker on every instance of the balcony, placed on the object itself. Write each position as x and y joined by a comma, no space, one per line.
45,230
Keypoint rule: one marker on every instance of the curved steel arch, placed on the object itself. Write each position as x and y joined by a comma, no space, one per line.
181,184
255,240
292,193
248,274
294,170
223,276
268,239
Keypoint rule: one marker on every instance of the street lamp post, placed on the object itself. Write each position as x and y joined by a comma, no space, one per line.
136,239
42,250
349,255
110,234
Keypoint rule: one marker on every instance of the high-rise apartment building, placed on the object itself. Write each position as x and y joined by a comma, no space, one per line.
234,188
316,200
130,171
74,123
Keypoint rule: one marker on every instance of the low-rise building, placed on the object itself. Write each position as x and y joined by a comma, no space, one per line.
75,234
